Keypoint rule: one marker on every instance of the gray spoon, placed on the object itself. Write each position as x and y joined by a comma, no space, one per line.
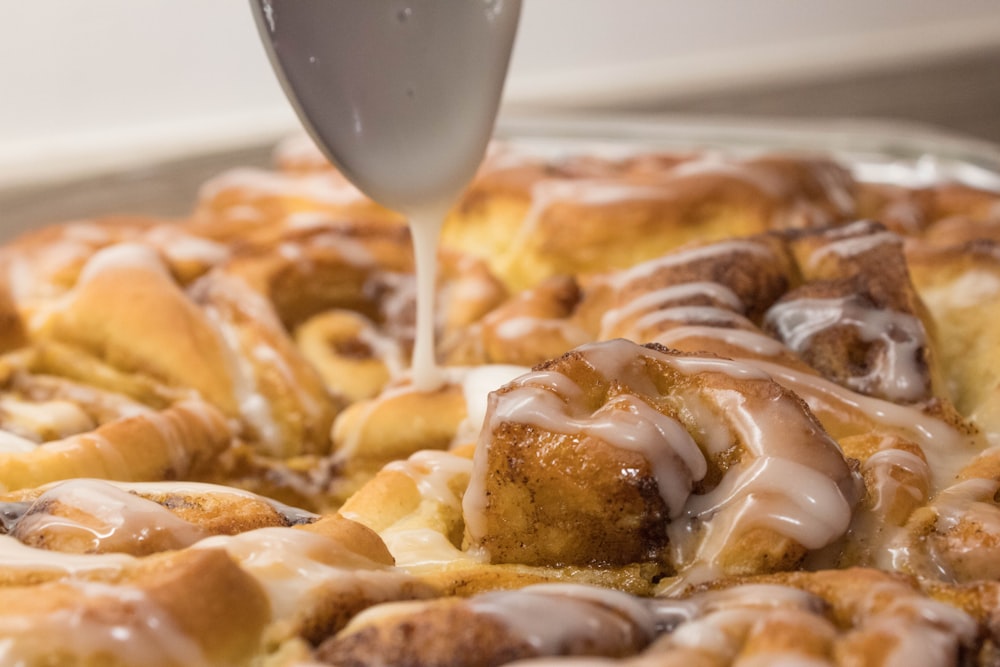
401,95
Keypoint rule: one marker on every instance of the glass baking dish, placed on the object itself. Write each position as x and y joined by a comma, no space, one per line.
906,154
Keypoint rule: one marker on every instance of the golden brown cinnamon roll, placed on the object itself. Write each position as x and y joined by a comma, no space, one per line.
843,617
959,284
827,618
617,453
497,628
53,428
179,573
259,206
574,218
172,609
92,516
931,210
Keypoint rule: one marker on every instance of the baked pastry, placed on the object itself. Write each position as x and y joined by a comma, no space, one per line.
533,221
699,409
98,573
842,617
693,475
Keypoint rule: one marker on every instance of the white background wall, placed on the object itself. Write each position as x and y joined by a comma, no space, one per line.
87,86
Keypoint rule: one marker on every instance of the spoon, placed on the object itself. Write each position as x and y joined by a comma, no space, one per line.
401,96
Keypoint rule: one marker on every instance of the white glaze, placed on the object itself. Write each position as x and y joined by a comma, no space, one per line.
425,228
546,615
897,371
946,449
715,164
120,520
291,565
414,542
434,473
658,298
417,549
752,342
122,517
625,422
852,240
524,327
886,488
477,383
689,314
254,407
712,251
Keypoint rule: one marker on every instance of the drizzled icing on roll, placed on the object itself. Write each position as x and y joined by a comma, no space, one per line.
945,446
439,478
625,422
745,624
772,465
96,516
897,372
851,241
709,252
544,614
541,620
293,565
653,300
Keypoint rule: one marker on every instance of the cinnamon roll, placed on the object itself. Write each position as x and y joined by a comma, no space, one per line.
178,574
533,219
616,454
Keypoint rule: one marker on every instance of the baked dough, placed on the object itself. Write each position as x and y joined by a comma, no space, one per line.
699,409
